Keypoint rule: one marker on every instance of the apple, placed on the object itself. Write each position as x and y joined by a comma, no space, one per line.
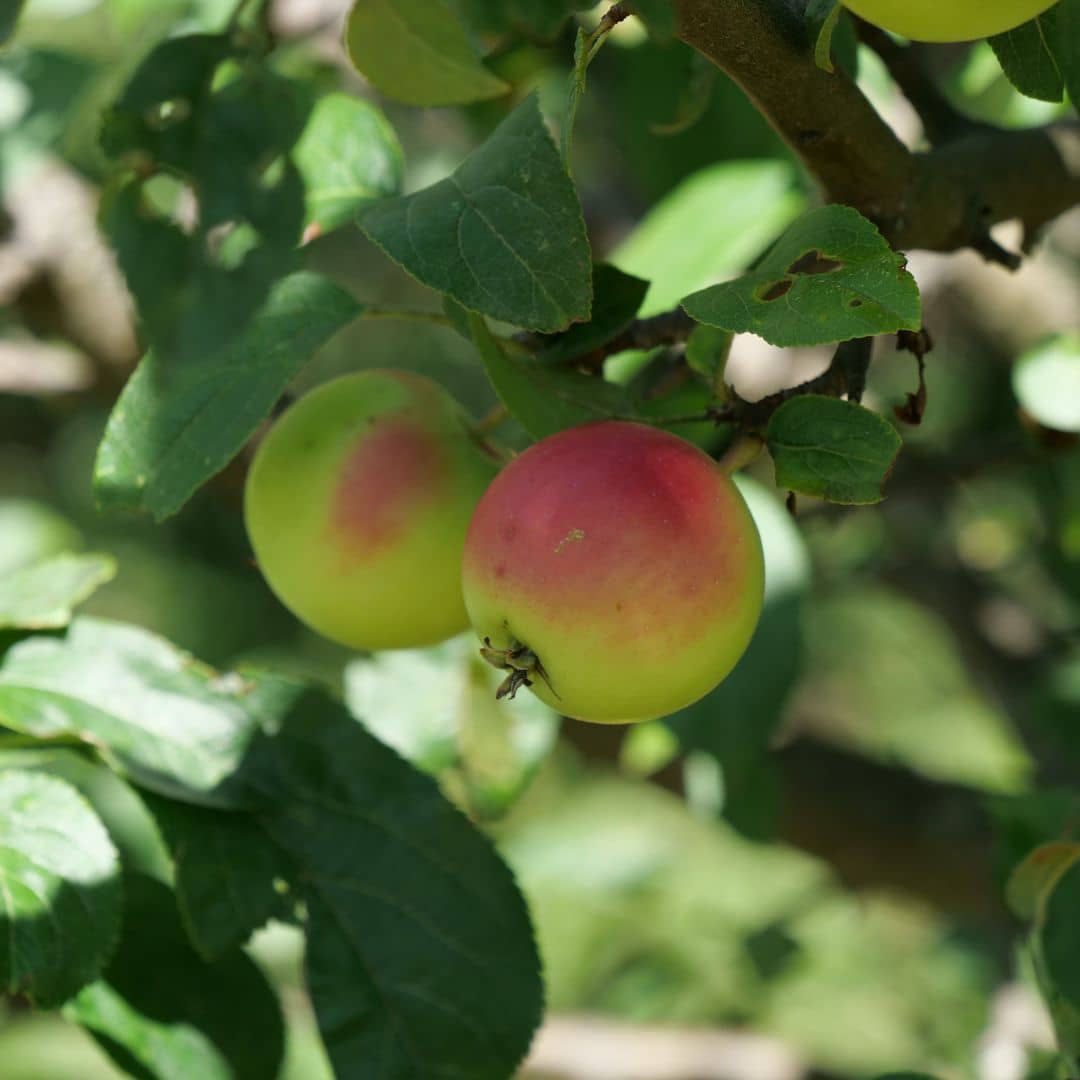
615,570
948,20
357,504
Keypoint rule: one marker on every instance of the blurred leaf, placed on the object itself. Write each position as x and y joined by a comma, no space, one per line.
59,889
416,51
347,154
1060,935
545,399
1031,882
830,277
736,722
503,235
43,596
694,99
9,16
714,223
227,874
833,449
1042,57
1046,381
822,17
884,676
167,721
176,425
616,299
31,532
437,708
192,1018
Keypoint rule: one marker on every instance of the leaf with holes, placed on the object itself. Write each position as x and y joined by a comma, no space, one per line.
830,277
176,425
347,155
42,596
416,51
833,449
59,889
503,235
546,399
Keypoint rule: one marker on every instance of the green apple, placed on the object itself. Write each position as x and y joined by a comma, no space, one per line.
948,20
357,504
615,570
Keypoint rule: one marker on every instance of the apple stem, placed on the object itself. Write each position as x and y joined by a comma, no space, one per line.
742,451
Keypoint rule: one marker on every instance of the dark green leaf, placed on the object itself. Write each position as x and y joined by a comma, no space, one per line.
707,351
1060,935
347,154
834,449
42,596
616,299
545,399
229,878
170,723
416,51
163,1014
503,235
59,889
536,19
830,277
1042,57
177,424
420,961
658,15
9,16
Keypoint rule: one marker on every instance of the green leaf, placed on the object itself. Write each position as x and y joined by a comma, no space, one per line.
737,721
420,957
176,425
830,277
394,880
171,724
437,708
1041,58
545,399
707,351
9,16
503,235
416,51
822,17
885,677
347,154
616,299
714,223
1060,936
59,889
42,597
833,449
229,878
162,1013
1031,882
658,15
1046,382
539,20
31,532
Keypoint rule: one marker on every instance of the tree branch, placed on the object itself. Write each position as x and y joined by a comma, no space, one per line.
941,200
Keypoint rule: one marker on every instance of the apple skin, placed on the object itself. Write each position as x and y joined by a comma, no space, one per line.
357,504
948,20
626,560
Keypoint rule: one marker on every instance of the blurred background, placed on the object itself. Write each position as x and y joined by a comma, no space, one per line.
799,876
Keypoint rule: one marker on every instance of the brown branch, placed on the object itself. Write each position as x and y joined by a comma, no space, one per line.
942,200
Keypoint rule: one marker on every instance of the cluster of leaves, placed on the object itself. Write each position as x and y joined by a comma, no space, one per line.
264,797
